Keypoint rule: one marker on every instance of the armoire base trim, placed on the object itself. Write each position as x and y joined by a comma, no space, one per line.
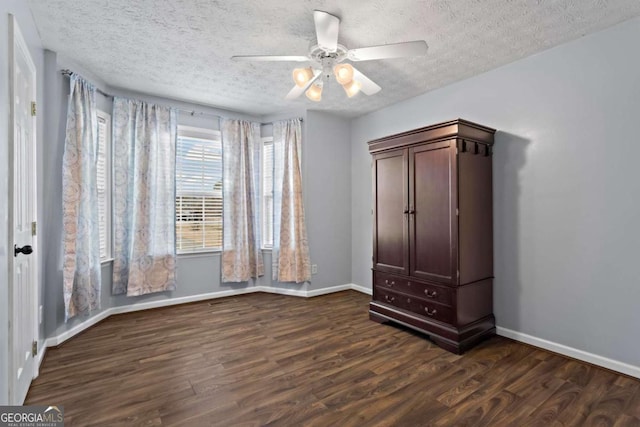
455,340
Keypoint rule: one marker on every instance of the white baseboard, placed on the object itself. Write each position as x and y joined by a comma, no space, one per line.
324,291
283,291
594,359
179,300
62,337
361,289
42,349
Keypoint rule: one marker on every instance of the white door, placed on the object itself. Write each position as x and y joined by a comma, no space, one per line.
23,274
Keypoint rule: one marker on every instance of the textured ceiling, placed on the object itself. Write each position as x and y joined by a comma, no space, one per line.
181,48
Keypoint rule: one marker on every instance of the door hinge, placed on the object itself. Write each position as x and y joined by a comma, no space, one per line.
33,108
34,349
458,274
457,212
33,228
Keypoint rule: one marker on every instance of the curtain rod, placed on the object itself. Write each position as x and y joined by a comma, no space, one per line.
68,73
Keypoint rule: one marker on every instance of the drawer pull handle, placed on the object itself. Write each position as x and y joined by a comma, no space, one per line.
430,294
389,299
430,313
386,282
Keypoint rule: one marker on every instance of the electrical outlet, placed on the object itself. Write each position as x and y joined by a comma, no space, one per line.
40,315
314,269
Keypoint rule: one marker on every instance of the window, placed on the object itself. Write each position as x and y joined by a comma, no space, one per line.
267,192
103,177
198,190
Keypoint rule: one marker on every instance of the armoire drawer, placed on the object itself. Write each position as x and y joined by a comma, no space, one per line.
429,292
415,305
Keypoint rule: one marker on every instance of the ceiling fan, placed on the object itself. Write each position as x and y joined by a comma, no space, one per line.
327,58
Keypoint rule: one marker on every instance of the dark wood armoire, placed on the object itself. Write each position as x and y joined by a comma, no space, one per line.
433,232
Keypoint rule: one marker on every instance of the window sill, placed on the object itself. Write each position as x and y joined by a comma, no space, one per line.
194,254
199,254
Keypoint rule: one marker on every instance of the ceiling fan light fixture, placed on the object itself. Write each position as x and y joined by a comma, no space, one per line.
314,93
301,76
344,73
352,88
326,58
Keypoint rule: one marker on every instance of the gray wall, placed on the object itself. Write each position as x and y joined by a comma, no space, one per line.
23,15
326,179
566,187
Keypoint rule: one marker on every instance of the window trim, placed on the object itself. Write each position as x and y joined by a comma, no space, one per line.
108,155
206,134
199,133
263,142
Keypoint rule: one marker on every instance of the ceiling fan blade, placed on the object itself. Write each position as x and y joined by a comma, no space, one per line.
327,27
270,58
397,50
297,90
369,87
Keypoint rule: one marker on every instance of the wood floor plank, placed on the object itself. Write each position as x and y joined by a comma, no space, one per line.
576,414
264,359
610,406
550,409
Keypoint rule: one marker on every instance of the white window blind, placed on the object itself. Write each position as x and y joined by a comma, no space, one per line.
267,193
198,191
103,177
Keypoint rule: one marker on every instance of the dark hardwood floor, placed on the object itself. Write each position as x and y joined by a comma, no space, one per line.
263,359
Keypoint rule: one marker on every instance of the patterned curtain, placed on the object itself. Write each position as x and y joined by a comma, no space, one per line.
144,151
241,252
290,253
81,239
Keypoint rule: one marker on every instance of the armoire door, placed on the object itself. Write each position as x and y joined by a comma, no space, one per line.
432,205
390,228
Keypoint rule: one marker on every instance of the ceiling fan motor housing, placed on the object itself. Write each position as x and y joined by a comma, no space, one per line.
327,60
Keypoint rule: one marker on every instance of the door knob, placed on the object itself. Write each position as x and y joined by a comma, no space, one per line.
27,249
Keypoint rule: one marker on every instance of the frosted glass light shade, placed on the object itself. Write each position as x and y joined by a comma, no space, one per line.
314,93
301,76
352,88
344,73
